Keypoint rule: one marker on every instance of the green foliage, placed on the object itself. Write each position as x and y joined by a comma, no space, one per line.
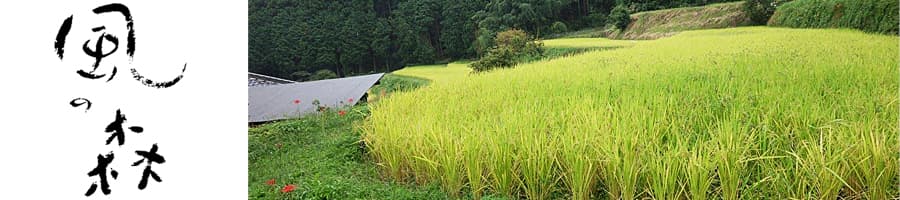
359,36
363,36
877,16
323,74
417,22
596,19
647,5
760,11
290,36
496,58
511,46
300,76
559,27
458,30
619,17
323,157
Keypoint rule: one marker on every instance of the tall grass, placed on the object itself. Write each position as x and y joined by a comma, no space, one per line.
745,113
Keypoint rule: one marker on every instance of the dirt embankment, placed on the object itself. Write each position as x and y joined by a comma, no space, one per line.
665,23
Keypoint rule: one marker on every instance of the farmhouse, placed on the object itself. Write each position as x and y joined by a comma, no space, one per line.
255,79
272,98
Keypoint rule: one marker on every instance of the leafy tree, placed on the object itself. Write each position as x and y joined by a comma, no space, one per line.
418,24
512,46
559,27
458,28
620,17
363,36
761,10
323,74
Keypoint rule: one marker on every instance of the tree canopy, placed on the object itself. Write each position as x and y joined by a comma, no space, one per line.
294,38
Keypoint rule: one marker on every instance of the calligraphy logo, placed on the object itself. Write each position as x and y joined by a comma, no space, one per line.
97,50
105,45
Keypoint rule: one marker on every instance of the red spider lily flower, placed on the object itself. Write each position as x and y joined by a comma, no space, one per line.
350,100
270,182
288,188
342,113
296,101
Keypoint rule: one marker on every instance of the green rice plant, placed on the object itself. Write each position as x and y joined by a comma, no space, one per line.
731,153
538,163
823,162
664,174
450,167
502,168
874,163
622,165
475,165
699,169
578,155
742,113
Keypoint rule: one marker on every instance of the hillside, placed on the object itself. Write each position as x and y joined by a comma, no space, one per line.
664,23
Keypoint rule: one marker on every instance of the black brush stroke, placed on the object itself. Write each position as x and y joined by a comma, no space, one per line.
60,43
150,83
81,101
117,7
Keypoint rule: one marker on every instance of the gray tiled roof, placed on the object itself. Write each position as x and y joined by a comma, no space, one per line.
274,102
254,80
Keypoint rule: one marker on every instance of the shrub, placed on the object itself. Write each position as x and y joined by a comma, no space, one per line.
760,11
323,74
559,27
514,38
511,46
302,75
497,57
619,17
878,16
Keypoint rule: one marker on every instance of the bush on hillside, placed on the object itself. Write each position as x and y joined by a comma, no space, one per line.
760,11
511,46
619,17
300,75
323,74
559,27
496,58
878,16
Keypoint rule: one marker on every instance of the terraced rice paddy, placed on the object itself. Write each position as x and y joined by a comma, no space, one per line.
438,73
588,43
745,113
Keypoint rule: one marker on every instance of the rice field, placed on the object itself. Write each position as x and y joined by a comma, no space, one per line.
438,73
744,113
587,43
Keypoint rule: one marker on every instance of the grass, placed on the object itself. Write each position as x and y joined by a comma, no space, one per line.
322,156
554,48
743,113
558,48
393,83
438,73
587,43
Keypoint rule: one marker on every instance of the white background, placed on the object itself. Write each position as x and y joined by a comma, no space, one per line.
47,146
